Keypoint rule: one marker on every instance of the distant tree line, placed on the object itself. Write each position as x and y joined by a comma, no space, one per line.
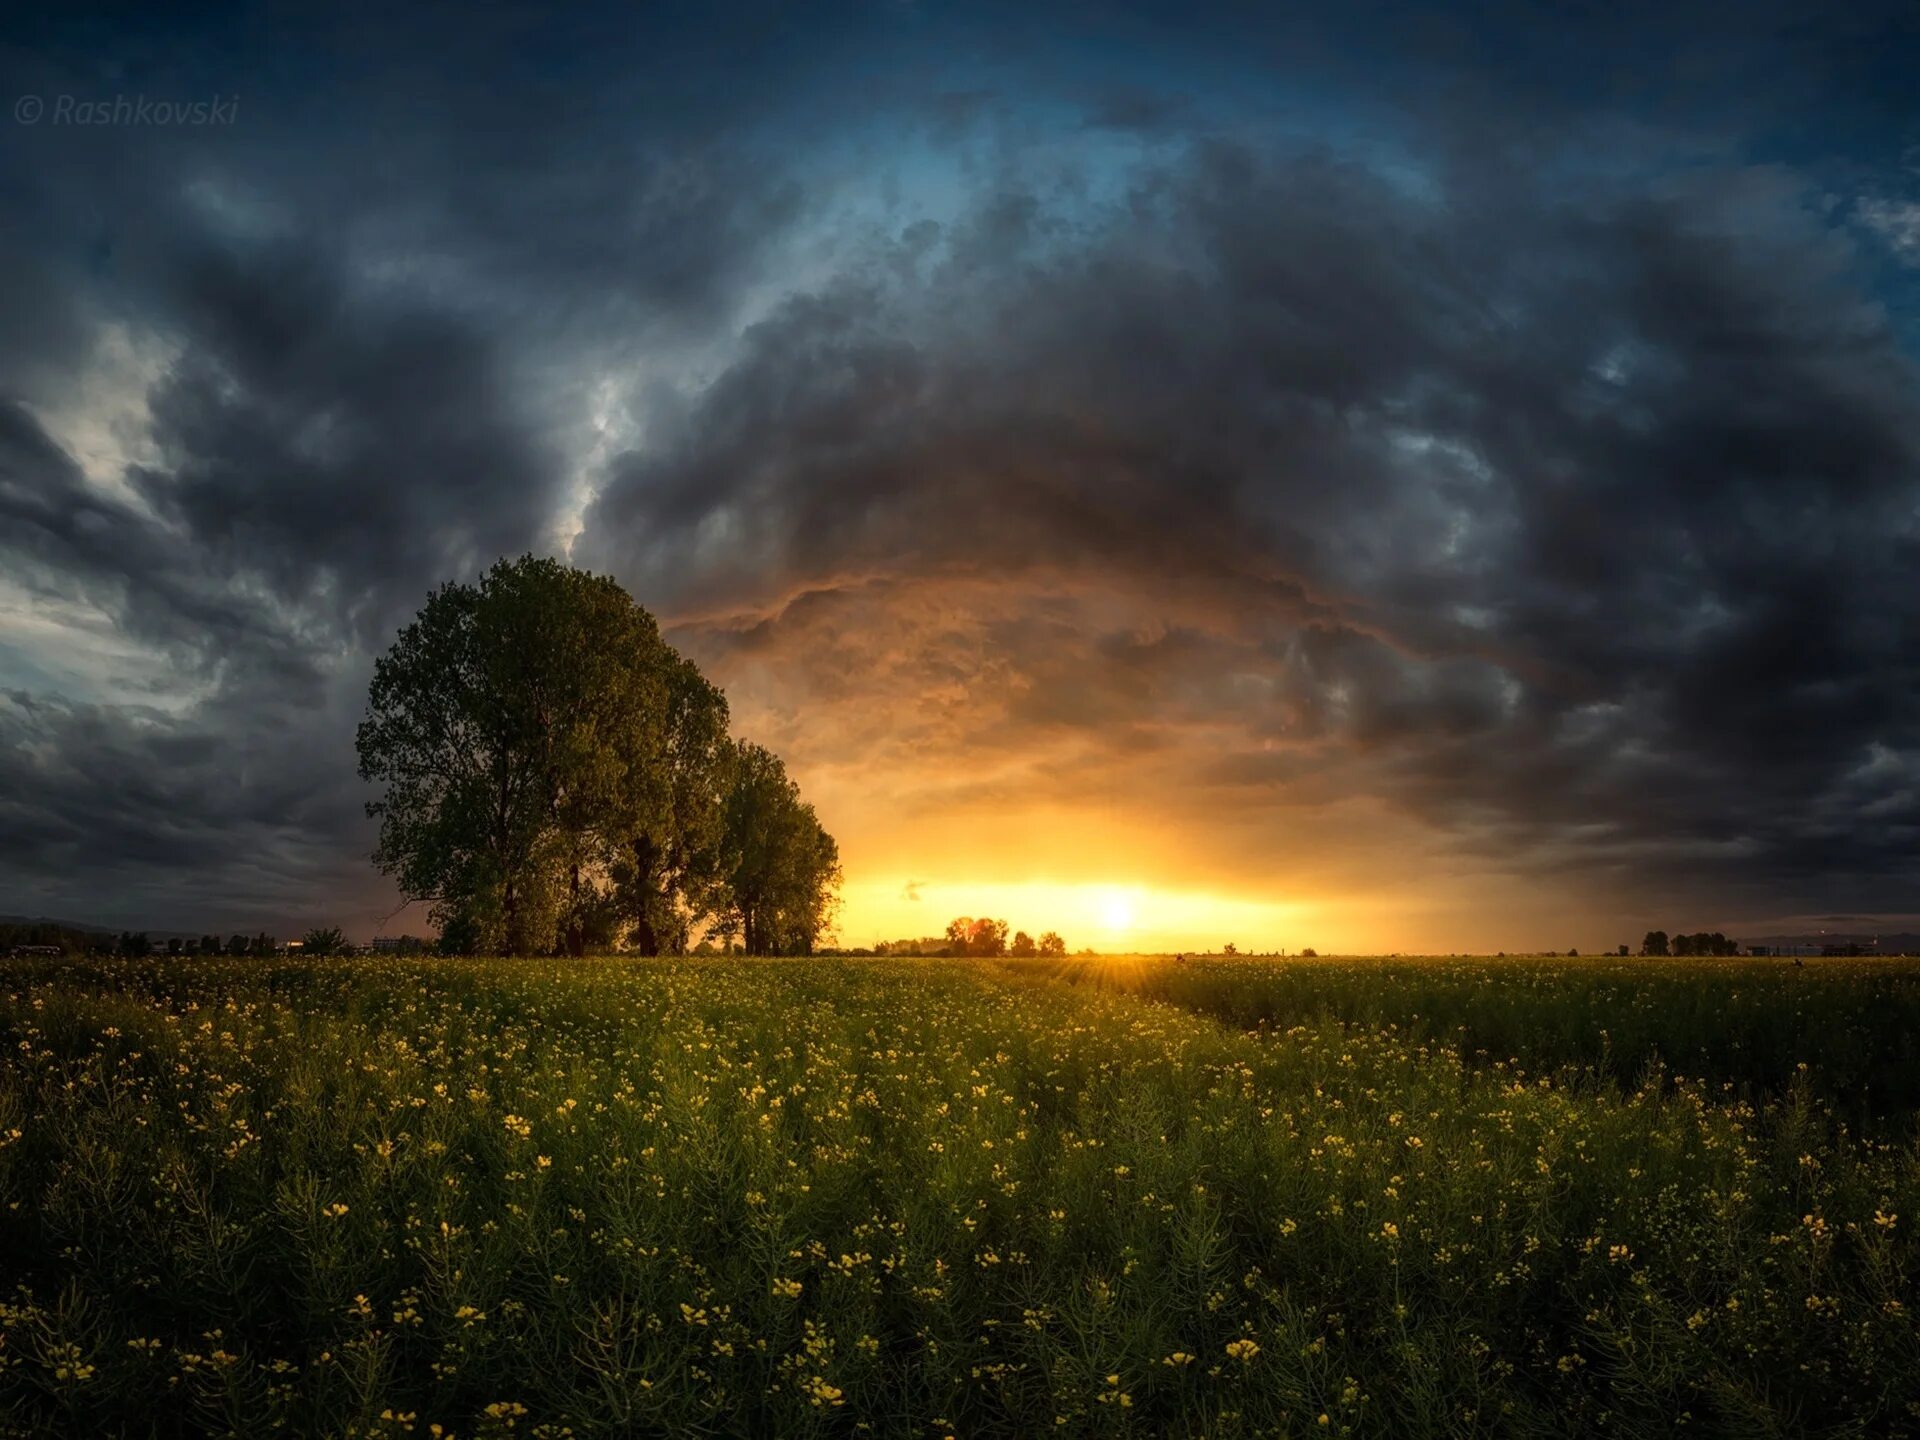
984,936
137,944
1699,943
556,778
134,944
140,944
43,933
924,945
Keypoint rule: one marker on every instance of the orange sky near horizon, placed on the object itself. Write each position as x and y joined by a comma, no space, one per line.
971,762
1136,870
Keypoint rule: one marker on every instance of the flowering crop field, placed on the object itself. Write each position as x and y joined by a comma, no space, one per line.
928,1198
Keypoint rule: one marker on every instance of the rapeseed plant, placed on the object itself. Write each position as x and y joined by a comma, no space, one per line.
918,1197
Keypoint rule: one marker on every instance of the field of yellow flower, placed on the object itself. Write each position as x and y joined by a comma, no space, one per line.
927,1198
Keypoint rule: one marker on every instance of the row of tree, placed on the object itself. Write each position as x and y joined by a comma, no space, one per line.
556,778
1698,943
987,936
968,936
136,943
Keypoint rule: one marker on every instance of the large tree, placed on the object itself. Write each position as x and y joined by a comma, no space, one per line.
555,775
496,725
985,936
783,868
667,836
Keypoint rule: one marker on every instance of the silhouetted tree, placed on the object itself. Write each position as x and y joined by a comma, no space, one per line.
1655,943
1052,946
669,860
783,869
491,726
1022,945
1702,942
554,775
328,941
984,936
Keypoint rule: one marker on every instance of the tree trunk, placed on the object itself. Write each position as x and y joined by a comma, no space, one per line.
645,939
576,936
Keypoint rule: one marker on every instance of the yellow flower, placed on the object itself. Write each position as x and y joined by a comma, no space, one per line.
822,1393
1242,1350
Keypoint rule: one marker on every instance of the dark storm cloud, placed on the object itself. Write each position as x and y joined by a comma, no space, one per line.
1579,522
317,450
1519,454
64,539
337,446
335,401
179,824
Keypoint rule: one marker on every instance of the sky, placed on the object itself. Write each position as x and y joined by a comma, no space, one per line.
1370,476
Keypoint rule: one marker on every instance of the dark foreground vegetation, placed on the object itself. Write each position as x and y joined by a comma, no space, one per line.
966,1197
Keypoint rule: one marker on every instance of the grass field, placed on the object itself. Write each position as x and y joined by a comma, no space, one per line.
926,1198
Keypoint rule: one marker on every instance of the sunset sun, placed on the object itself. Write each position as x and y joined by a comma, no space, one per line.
1116,910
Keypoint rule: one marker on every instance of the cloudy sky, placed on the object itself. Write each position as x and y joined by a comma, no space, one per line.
1373,476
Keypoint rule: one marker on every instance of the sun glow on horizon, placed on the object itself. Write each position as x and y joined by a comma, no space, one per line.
1117,910
1108,916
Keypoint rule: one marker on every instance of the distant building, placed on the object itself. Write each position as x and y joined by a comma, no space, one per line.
22,952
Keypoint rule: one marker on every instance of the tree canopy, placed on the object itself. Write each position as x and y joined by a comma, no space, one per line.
1699,943
324,940
984,936
783,869
555,777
